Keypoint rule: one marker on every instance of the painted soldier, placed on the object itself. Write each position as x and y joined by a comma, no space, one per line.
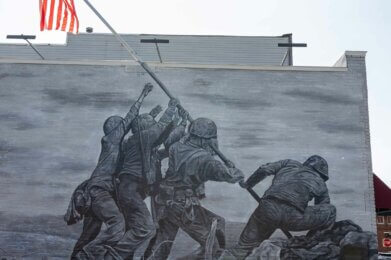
137,177
191,164
285,204
180,122
94,198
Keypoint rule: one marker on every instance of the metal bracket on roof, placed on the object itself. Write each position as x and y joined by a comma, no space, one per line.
289,51
26,38
156,41
283,59
292,45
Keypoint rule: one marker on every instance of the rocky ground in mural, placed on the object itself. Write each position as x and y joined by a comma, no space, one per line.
345,240
21,236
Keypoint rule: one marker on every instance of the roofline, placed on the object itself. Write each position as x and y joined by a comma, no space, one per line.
140,34
35,44
384,213
374,174
177,65
194,35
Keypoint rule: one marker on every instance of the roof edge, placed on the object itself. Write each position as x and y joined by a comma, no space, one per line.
162,34
356,54
342,61
176,65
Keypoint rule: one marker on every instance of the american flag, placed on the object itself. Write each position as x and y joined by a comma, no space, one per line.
58,15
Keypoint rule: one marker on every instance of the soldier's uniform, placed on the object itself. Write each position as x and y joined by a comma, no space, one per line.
285,204
97,193
136,177
190,166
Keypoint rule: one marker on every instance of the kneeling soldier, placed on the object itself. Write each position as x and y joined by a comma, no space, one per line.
285,204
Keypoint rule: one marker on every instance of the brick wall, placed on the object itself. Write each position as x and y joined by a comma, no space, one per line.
383,231
52,116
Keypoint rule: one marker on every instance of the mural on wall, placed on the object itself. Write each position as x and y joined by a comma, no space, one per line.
129,170
149,193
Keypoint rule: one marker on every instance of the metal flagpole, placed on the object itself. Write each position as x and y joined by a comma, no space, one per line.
133,53
124,43
147,69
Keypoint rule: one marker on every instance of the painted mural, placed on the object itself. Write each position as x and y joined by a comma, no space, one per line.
239,165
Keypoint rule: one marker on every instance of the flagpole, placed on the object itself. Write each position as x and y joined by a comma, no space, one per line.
131,51
148,70
119,38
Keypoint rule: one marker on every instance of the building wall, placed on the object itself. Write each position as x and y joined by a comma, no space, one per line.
52,116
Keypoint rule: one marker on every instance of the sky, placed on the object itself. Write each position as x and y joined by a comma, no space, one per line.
328,27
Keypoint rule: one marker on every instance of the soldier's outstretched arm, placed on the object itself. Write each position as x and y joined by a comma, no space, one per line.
176,134
133,112
262,172
169,113
216,171
179,131
158,133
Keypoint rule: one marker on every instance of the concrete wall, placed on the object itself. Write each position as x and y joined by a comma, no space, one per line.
52,114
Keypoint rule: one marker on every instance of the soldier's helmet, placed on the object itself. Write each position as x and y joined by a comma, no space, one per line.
319,164
203,128
142,122
111,123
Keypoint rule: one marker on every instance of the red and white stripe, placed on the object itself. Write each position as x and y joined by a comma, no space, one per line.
58,15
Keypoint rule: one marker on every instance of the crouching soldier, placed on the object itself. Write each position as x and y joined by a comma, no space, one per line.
94,198
285,204
191,164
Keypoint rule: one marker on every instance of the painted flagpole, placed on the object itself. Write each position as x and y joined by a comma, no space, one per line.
120,39
131,51
148,70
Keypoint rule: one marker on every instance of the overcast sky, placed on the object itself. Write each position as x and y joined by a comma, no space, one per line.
328,27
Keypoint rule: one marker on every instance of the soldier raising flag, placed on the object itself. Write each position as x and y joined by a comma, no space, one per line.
94,198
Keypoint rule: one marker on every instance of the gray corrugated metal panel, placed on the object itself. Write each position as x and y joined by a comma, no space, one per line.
18,51
227,50
113,50
251,50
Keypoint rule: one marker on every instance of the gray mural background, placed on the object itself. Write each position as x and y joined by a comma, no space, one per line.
51,119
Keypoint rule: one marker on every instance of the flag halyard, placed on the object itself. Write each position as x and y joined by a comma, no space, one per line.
62,12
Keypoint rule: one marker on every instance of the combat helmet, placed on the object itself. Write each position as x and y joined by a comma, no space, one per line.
111,123
203,128
319,164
